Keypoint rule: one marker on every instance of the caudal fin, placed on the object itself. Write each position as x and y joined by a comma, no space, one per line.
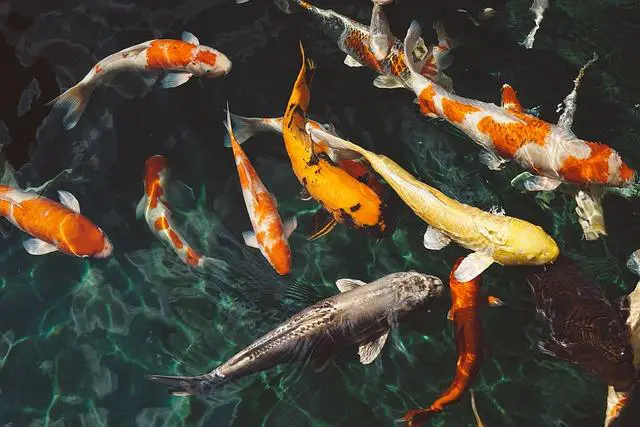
73,102
187,386
245,127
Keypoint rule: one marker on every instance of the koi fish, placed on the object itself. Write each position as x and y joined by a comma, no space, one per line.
245,127
154,207
466,300
54,226
617,400
354,39
319,330
381,38
493,237
551,152
586,329
344,197
269,233
174,61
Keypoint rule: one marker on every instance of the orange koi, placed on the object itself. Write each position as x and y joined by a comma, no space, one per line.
466,300
155,208
269,233
344,197
176,61
54,226
551,152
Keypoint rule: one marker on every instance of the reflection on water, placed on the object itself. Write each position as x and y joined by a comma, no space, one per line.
77,337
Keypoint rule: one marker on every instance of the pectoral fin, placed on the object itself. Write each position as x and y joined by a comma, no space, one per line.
387,82
491,160
290,225
345,285
190,38
530,182
472,266
494,301
323,223
352,62
69,200
434,239
250,239
141,207
38,247
175,79
370,350
304,195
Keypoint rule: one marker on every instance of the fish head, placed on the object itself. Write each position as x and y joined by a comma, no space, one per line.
414,290
529,244
209,62
155,165
83,238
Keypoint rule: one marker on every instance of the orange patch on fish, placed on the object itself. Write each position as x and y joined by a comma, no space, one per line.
206,57
426,100
508,138
615,411
457,111
593,169
510,98
163,54
175,239
161,224
356,42
280,256
192,257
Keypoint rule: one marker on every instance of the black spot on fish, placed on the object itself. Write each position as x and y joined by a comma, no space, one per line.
304,181
355,207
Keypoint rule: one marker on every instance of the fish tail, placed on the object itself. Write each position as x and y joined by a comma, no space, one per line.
633,263
187,386
418,417
213,264
245,127
74,100
410,43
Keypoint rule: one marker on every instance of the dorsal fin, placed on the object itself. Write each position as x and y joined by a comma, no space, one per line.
189,38
345,285
510,99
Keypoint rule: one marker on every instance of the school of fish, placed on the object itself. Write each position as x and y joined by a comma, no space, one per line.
351,185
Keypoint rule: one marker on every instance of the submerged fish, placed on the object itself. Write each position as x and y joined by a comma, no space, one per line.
354,39
174,61
551,152
493,237
585,328
245,127
269,233
154,207
54,226
466,301
347,199
362,314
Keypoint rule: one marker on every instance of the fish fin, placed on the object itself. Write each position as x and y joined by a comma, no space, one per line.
9,176
250,239
410,42
633,263
73,101
330,127
242,1
345,285
434,239
150,79
245,127
352,62
284,5
323,223
590,214
510,99
69,200
418,417
175,79
321,360
186,36
616,402
492,160
38,247
369,350
379,33
633,320
213,263
387,82
290,225
188,386
304,195
17,197
450,314
570,102
141,207
178,193
530,182
472,266
334,142
494,301
40,189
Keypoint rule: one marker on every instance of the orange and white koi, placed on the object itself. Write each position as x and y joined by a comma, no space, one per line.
176,61
466,300
245,127
269,233
551,152
354,39
154,207
54,226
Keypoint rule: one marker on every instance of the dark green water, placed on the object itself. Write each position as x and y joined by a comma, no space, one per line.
77,337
